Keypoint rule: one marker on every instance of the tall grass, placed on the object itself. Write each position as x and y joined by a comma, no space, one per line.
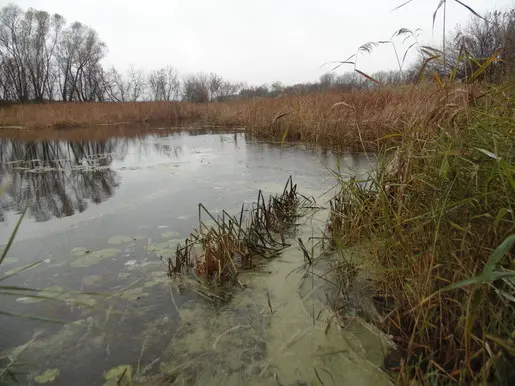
351,120
438,214
337,119
69,115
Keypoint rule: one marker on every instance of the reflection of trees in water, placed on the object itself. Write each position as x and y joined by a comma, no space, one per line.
60,178
57,179
168,150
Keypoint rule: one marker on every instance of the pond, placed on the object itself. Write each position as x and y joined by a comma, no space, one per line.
102,216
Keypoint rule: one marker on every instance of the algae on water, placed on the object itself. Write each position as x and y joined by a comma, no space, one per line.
92,258
91,280
59,293
121,375
169,235
117,240
79,251
166,248
48,376
133,294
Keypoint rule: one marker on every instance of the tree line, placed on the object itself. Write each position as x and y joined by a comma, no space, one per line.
44,58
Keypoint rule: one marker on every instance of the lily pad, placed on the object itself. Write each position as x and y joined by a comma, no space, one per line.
54,292
157,280
140,237
94,257
133,294
80,251
91,280
117,240
169,235
81,299
120,375
166,248
48,376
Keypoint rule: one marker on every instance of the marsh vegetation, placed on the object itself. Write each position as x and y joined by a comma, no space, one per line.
402,254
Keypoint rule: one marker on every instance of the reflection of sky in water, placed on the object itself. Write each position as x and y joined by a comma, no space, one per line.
102,215
66,183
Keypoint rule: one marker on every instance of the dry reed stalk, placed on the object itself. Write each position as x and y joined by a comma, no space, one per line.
216,252
75,114
356,120
351,120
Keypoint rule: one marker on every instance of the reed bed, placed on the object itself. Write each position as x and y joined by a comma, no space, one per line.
217,252
355,121
79,114
438,215
342,120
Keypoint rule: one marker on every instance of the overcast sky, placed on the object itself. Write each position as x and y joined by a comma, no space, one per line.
258,41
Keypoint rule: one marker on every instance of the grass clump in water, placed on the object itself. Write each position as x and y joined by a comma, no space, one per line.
215,252
438,213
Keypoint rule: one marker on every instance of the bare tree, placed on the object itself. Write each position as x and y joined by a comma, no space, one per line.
136,84
79,54
215,84
124,88
482,39
327,80
114,86
228,90
164,84
13,50
196,88
254,92
221,89
277,88
27,45
45,34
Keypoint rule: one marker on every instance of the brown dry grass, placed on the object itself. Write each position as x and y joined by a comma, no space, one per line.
67,115
335,119
351,120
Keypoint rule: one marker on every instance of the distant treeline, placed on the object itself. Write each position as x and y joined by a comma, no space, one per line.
44,58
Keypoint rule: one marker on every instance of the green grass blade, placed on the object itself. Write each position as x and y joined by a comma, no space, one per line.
20,270
32,317
285,134
508,172
499,253
13,235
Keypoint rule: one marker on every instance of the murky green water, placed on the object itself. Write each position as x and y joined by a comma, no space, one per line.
101,215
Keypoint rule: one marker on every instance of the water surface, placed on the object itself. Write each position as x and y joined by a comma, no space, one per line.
102,214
